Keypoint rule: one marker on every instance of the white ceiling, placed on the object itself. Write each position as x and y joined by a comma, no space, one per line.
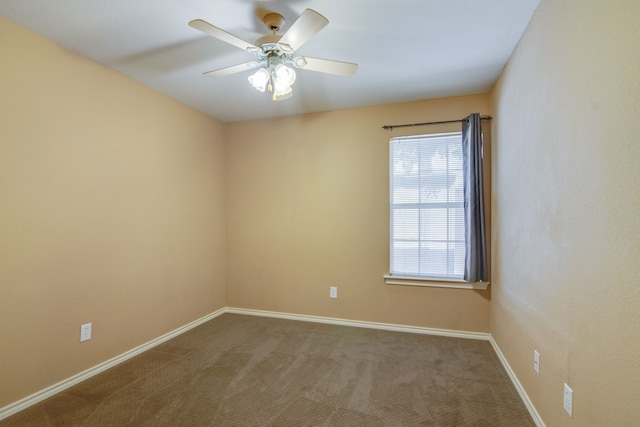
406,49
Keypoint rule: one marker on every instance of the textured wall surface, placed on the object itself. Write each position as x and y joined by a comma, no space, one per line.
120,206
566,276
111,212
308,208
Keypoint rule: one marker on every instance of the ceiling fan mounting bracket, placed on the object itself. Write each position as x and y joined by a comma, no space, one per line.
273,21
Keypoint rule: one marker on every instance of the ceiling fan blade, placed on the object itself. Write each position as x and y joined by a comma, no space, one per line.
220,34
307,24
233,69
329,66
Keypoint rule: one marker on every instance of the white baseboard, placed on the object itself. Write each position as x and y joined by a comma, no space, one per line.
70,382
523,394
362,324
41,395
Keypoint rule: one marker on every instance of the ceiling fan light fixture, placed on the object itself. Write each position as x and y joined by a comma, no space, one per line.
284,75
277,79
282,97
279,91
260,79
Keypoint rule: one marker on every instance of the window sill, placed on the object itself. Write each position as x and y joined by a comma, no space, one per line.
434,283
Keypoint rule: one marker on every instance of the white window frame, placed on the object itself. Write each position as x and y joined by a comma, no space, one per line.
400,278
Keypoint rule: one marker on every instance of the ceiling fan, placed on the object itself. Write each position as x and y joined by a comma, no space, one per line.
275,54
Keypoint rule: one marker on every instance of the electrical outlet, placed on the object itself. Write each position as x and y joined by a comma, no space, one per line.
85,332
333,292
536,361
568,400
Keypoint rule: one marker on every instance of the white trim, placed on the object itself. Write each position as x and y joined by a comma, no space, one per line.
362,324
412,329
434,283
43,394
523,394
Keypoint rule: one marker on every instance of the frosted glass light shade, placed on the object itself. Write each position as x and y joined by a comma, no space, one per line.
277,79
283,78
259,79
285,74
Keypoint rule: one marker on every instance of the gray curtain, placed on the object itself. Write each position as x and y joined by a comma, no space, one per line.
475,262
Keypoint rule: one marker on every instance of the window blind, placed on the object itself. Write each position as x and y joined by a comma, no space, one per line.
427,206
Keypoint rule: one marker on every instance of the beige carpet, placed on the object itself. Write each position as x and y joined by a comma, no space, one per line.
239,370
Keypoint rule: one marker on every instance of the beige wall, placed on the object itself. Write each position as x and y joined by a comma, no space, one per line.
111,212
117,205
566,276
308,209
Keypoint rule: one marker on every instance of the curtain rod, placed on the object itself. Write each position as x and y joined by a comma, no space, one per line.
390,127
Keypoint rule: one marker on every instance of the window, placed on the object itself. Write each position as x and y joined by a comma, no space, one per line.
427,207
